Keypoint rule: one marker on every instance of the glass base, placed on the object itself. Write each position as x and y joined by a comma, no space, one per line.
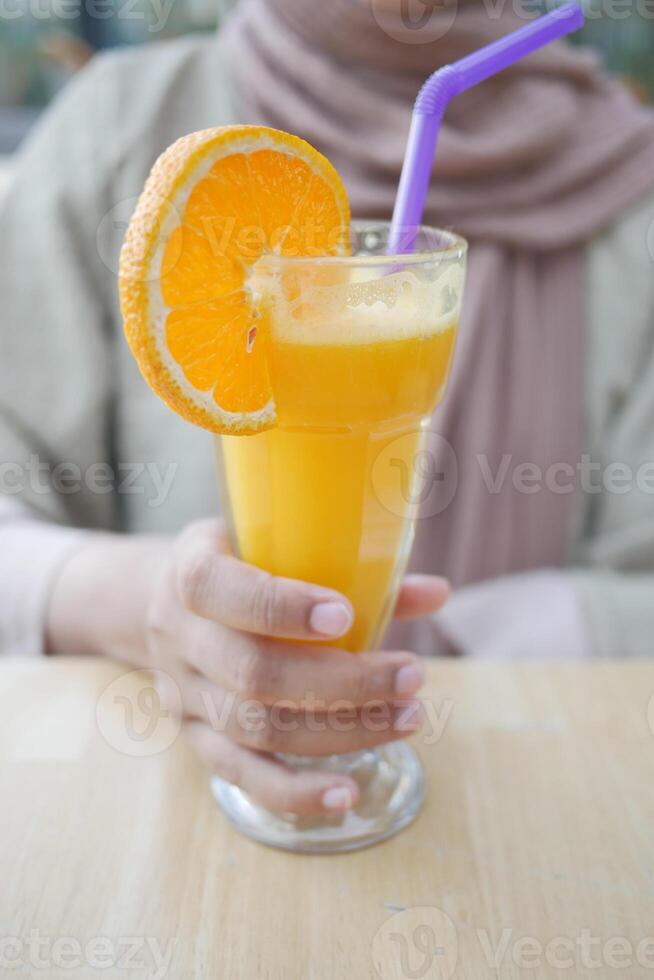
391,787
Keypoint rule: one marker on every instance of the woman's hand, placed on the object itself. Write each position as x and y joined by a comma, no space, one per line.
217,631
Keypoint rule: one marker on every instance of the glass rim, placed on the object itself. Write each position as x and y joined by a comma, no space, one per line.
455,246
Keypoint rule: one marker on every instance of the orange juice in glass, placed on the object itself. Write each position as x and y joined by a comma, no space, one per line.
359,349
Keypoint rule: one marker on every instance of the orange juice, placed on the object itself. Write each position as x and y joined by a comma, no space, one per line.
325,496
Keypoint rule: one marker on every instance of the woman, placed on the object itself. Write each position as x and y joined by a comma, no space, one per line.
548,171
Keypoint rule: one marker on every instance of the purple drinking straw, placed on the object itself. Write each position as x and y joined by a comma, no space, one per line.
434,97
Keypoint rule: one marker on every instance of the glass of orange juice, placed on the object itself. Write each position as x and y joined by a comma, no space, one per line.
359,350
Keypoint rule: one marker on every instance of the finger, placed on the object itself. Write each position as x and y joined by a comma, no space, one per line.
209,531
219,587
281,728
421,595
266,670
269,782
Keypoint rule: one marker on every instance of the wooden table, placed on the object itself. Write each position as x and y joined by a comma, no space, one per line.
533,857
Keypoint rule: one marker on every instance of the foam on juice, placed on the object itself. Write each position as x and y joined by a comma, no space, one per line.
331,308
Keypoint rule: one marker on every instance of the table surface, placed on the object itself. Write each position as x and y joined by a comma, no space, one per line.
533,856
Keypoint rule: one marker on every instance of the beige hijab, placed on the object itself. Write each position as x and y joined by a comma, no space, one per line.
529,166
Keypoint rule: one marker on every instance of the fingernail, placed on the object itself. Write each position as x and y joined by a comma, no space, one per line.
330,619
409,718
338,798
409,679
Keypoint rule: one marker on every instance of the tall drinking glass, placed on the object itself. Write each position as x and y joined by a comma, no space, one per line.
359,350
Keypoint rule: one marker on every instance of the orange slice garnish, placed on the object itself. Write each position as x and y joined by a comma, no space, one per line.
214,204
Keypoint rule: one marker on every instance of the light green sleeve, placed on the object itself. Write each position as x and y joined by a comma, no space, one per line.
614,551
619,611
73,406
55,349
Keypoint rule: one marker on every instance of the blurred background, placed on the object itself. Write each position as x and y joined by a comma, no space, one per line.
44,42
